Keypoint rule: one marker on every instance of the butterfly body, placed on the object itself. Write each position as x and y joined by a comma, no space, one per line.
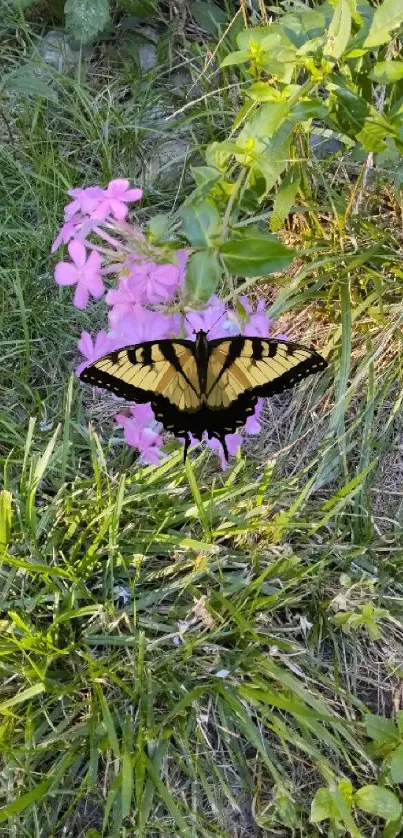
203,385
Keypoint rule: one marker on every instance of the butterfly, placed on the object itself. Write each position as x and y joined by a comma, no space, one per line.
203,385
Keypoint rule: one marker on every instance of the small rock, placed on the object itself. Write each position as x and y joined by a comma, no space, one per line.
323,147
182,85
57,52
165,164
147,56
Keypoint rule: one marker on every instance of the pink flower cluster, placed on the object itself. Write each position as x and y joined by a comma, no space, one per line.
102,244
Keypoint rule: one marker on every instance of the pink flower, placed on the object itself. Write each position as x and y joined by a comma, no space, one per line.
252,424
215,319
233,441
141,431
94,349
67,232
182,259
115,199
85,201
259,323
85,273
137,324
147,283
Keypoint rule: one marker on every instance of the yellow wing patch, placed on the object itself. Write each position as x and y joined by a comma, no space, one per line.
274,363
146,367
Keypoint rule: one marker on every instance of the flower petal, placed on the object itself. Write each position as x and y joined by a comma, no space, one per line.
116,187
66,273
118,208
81,296
85,345
95,286
77,253
133,195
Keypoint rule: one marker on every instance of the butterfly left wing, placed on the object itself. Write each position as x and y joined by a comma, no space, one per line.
161,372
243,368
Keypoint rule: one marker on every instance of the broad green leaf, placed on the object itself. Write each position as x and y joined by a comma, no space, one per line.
263,125
285,198
396,765
385,72
201,222
321,806
22,4
342,799
339,30
239,56
302,26
387,17
85,19
359,120
25,80
203,274
157,227
381,730
138,8
208,15
311,109
205,177
253,252
399,722
378,801
262,91
392,829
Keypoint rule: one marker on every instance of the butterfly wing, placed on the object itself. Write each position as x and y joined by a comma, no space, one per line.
242,369
161,372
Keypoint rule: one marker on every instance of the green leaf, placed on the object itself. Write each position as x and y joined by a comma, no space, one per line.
339,31
201,222
209,16
158,226
396,765
382,731
321,806
253,252
312,109
202,275
239,56
392,829
5,519
25,80
387,17
24,695
17,806
285,198
385,72
206,177
359,120
85,19
140,9
378,801
263,124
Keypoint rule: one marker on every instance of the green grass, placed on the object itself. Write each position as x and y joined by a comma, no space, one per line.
171,651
